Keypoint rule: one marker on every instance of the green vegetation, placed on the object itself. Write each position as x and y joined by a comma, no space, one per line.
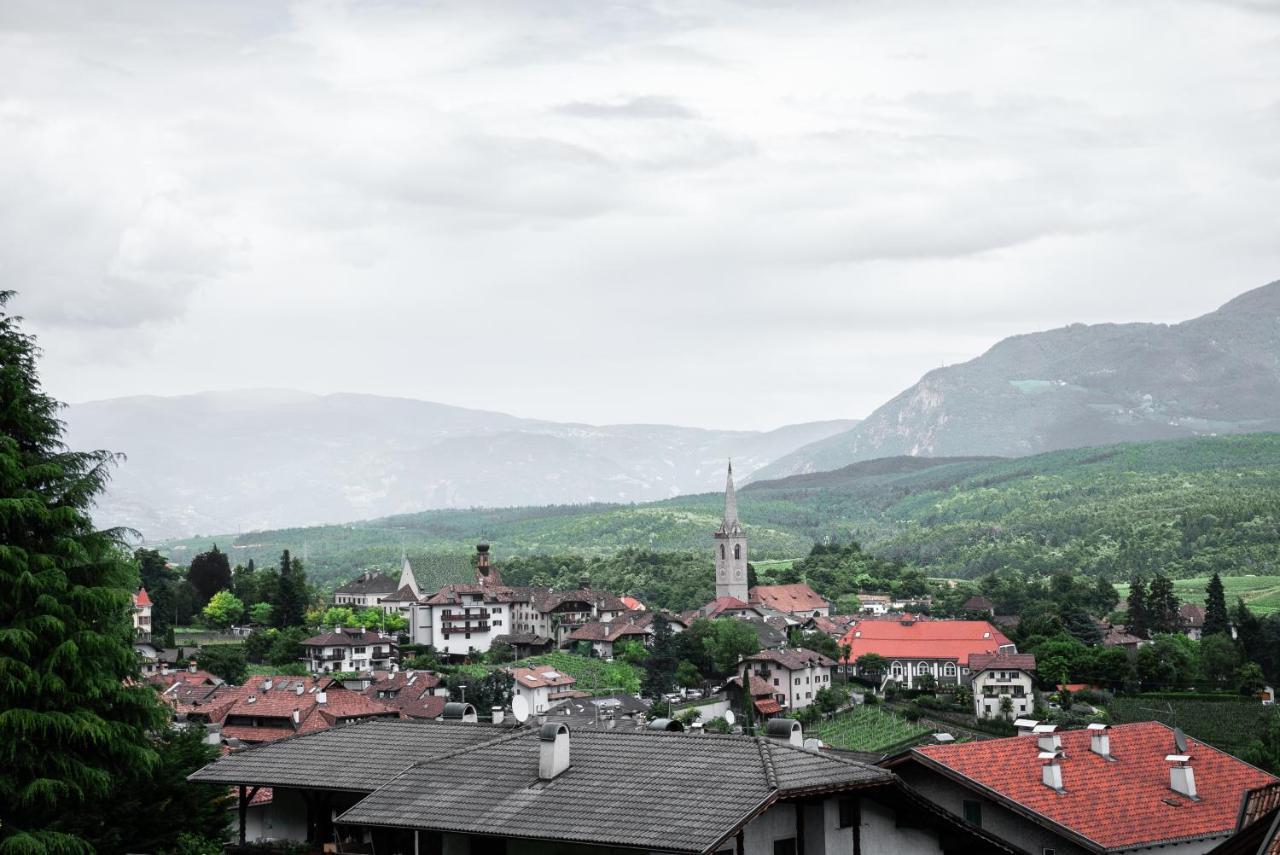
593,675
1229,723
1186,508
868,728
1260,593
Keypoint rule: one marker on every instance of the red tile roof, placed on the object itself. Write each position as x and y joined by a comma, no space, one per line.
1126,803
769,707
1002,662
787,598
541,675
924,639
792,660
141,599
632,603
720,605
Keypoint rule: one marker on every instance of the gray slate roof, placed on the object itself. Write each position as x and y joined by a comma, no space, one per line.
358,757
667,791
369,582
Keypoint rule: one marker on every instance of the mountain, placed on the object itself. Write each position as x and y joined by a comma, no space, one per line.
253,459
1184,507
1079,386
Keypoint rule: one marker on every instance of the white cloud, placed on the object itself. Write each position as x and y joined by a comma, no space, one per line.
597,212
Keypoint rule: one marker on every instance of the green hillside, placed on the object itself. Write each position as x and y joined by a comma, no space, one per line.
1187,507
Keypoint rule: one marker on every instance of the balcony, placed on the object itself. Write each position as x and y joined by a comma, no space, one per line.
466,614
482,626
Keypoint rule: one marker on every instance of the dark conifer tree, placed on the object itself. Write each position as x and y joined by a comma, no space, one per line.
1136,622
289,604
209,573
1216,619
1162,606
71,715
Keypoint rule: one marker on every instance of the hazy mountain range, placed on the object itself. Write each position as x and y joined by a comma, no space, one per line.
1079,386
255,459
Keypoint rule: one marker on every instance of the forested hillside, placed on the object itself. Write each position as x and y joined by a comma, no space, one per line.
1188,507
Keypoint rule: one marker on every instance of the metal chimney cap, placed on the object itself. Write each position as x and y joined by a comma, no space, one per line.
781,727
668,724
1097,725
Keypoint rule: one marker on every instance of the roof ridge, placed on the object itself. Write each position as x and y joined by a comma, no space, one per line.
766,758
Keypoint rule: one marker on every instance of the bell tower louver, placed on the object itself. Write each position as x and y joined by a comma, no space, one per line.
731,548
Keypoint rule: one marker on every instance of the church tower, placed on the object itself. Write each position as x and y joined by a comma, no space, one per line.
731,548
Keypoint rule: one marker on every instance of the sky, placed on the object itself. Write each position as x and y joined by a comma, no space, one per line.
730,215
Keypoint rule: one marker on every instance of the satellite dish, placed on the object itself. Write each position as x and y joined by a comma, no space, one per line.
1180,740
730,718
520,708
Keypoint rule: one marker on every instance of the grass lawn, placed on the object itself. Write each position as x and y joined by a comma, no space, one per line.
1261,593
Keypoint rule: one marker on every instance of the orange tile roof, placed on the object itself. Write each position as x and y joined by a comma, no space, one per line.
798,597
141,599
921,639
1121,804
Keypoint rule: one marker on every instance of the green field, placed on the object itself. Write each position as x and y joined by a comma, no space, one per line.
1227,723
868,729
1261,593
593,675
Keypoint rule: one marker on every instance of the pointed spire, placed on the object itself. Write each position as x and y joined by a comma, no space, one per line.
730,501
406,574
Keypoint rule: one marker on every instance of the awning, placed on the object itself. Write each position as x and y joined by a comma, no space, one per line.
769,707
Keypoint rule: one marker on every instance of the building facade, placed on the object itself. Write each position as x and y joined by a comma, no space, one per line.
1003,684
793,676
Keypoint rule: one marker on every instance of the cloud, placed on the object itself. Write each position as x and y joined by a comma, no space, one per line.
645,107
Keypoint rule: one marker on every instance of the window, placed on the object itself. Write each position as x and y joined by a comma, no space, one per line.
737,551
775,681
973,812
722,552
950,670
784,847
797,681
360,650
849,813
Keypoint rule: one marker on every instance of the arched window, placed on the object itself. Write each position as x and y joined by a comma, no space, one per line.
922,668
897,669
737,551
950,669
722,551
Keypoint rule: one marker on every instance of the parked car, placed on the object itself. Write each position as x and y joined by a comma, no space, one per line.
693,694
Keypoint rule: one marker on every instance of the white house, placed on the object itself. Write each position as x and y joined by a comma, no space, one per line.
997,676
347,649
542,686
365,591
795,676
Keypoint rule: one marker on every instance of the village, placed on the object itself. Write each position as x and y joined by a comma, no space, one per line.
368,752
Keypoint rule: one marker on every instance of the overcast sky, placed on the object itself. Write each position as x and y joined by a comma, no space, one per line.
717,214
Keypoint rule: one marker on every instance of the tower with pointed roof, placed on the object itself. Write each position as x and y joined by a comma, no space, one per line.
731,548
407,579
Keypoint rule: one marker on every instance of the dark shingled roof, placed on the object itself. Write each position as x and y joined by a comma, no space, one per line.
358,757
667,791
369,583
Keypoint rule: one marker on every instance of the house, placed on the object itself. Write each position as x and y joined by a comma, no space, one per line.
525,644
141,611
1104,789
833,627
915,648
726,607
1191,616
794,676
1258,826
632,604
265,709
998,677
348,649
365,591
1119,636
607,712
542,686
414,786
876,604
416,694
979,605
796,599
630,626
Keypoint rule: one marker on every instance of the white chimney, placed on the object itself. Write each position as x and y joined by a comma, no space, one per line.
498,715
1051,772
1100,740
553,751
322,697
297,716
192,666
1182,778
785,730
297,690
1025,725
1046,739
266,685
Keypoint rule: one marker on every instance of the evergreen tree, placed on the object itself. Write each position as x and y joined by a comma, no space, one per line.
209,573
1162,606
1104,597
1136,622
661,665
1216,620
71,717
289,605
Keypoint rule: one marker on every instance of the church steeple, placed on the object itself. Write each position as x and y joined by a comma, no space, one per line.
731,548
406,575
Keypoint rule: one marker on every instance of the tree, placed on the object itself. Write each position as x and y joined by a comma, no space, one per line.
828,700
260,613
286,646
631,652
872,663
1136,621
159,580
209,573
1249,678
730,641
1077,622
228,661
818,642
127,820
71,712
289,607
223,609
661,665
687,675
1216,620
494,689
1219,660
1167,661
1162,606
1104,598
499,653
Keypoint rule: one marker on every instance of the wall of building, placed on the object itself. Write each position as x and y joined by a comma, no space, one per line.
989,705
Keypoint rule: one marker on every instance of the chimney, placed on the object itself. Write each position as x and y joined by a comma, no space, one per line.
297,690
322,697
191,666
1025,726
553,751
1051,772
1100,740
498,715
297,715
1046,739
266,685
785,730
1182,778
